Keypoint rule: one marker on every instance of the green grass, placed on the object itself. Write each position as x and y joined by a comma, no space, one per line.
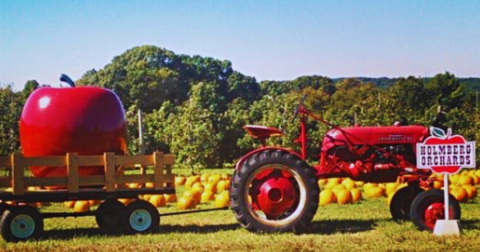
365,226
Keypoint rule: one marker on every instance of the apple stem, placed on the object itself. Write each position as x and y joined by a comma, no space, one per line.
449,133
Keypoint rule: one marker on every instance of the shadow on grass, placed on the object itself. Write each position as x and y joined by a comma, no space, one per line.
66,234
470,224
324,227
341,226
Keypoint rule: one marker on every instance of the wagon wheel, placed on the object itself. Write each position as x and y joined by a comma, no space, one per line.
428,207
107,215
402,201
21,223
274,191
140,217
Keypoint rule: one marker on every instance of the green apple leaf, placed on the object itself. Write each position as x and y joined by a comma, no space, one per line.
437,132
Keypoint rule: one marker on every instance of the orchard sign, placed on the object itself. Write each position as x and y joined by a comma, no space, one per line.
444,153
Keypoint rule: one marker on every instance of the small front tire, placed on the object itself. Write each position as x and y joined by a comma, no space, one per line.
140,217
21,223
107,215
402,201
428,207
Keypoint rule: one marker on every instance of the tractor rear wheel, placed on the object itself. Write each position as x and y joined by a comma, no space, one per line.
428,207
274,191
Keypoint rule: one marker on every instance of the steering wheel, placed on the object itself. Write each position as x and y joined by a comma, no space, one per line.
297,110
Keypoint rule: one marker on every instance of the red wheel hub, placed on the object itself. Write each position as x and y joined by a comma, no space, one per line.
276,196
434,212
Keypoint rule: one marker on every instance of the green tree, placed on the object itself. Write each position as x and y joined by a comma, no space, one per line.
446,90
11,104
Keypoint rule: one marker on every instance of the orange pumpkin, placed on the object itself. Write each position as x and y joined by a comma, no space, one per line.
207,196
344,196
194,194
460,194
356,195
81,206
349,184
180,180
158,200
126,201
69,204
220,186
465,180
391,188
170,198
186,203
222,199
209,187
198,186
471,191
327,197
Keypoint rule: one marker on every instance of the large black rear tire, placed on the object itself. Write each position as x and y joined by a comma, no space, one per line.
286,167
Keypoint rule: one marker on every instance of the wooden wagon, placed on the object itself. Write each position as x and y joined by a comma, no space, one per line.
20,221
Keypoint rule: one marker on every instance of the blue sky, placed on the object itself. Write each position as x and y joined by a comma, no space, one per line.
270,40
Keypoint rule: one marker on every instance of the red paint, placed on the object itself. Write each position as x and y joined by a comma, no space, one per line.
262,132
434,212
456,139
276,196
302,139
86,120
362,153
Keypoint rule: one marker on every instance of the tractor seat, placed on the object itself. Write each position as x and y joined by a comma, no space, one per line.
262,132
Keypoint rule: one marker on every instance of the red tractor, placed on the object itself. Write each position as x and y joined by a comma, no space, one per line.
275,190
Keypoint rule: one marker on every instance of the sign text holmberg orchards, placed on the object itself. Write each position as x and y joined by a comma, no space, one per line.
445,153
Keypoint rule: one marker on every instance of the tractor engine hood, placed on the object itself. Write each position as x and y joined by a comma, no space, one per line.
376,135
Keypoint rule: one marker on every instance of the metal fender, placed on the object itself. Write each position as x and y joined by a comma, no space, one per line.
242,159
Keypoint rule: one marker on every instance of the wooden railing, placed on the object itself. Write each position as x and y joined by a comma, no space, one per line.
113,179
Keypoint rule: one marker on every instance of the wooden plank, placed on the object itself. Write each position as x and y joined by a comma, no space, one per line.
91,160
5,182
97,180
72,172
120,172
134,178
170,178
158,172
5,162
18,167
52,181
143,160
44,161
109,161
169,159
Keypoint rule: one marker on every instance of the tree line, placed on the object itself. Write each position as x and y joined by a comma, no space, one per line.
195,106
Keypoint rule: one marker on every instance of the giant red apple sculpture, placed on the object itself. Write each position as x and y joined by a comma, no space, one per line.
86,120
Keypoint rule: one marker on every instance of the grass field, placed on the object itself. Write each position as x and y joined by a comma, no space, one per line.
364,226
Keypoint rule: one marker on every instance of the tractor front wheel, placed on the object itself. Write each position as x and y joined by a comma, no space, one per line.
428,207
274,191
402,201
